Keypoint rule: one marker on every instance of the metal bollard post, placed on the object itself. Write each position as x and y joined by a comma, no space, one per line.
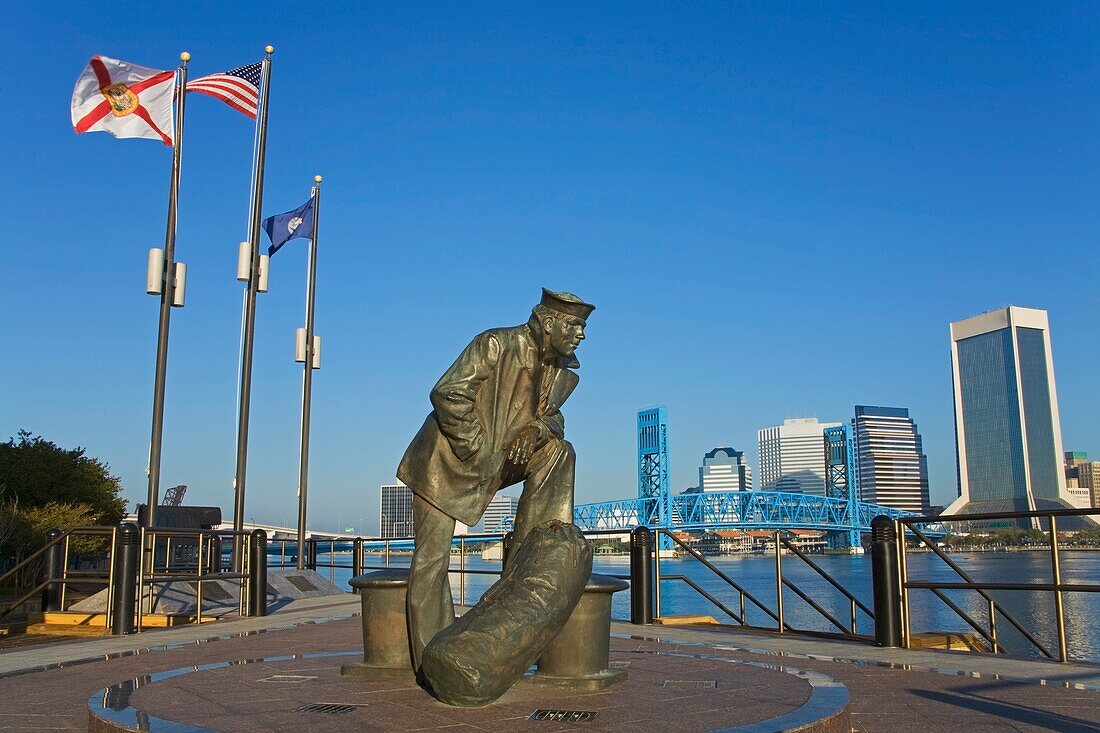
215,554
641,576
357,560
51,594
311,557
506,551
257,573
884,581
124,594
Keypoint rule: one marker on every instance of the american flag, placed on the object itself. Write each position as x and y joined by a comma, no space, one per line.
239,88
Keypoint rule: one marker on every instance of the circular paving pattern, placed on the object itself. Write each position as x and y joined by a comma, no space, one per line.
666,690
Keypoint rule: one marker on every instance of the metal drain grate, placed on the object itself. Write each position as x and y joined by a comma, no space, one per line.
329,708
692,684
290,678
618,665
560,716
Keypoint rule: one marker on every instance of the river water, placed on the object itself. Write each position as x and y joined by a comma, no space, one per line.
756,574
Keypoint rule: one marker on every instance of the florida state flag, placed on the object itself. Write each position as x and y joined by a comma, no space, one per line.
125,100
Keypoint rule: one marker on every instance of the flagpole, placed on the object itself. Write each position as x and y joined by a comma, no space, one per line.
166,299
307,374
250,310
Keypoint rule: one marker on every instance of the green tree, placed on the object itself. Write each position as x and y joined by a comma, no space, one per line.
44,486
35,472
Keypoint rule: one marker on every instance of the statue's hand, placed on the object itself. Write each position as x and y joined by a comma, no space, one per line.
522,446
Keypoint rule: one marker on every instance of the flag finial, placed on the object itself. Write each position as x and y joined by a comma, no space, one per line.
185,57
317,179
269,49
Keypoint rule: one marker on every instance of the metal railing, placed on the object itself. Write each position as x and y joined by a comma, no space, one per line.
199,566
57,553
993,607
137,562
780,544
321,554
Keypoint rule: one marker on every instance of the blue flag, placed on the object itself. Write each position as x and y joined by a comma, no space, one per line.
283,227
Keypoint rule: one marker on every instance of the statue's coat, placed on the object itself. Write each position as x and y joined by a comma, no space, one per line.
481,403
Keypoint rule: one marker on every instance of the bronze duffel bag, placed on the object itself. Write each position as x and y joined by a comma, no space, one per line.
476,659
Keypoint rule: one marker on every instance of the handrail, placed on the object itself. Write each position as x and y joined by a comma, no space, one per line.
732,583
1067,587
991,638
980,589
149,575
37,589
62,538
806,559
376,546
815,605
1038,514
782,625
739,619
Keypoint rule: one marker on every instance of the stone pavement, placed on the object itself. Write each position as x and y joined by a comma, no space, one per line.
48,687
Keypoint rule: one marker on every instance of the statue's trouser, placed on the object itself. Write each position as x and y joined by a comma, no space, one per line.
547,494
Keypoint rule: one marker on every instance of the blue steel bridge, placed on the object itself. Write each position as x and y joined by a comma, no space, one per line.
840,513
736,510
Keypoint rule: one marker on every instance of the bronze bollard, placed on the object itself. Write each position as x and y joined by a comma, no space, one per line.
385,632
577,659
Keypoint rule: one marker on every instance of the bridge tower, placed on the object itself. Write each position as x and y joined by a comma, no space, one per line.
653,478
842,481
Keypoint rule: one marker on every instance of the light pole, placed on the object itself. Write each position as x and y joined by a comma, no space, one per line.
311,359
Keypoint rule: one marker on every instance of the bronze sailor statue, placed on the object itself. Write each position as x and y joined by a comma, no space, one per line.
497,422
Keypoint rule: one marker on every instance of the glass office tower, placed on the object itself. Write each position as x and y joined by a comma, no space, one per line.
1007,435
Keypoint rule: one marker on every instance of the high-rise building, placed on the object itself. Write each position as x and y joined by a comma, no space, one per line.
500,507
1083,477
725,469
890,460
792,456
1090,479
1007,435
395,511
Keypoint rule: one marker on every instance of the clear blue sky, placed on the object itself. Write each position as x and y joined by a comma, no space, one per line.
777,209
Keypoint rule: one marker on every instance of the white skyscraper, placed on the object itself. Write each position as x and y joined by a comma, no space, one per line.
395,511
725,469
500,506
792,456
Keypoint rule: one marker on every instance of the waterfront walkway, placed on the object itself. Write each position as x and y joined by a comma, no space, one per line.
48,686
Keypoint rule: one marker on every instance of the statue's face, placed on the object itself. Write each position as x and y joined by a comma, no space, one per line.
565,332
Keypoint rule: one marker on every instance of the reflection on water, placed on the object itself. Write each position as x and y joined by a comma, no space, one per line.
1034,611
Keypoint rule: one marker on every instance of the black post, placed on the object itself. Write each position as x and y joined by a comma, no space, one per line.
884,581
506,549
215,557
124,594
257,573
51,594
311,548
357,558
642,586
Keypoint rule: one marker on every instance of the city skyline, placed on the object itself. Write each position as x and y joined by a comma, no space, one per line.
777,211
